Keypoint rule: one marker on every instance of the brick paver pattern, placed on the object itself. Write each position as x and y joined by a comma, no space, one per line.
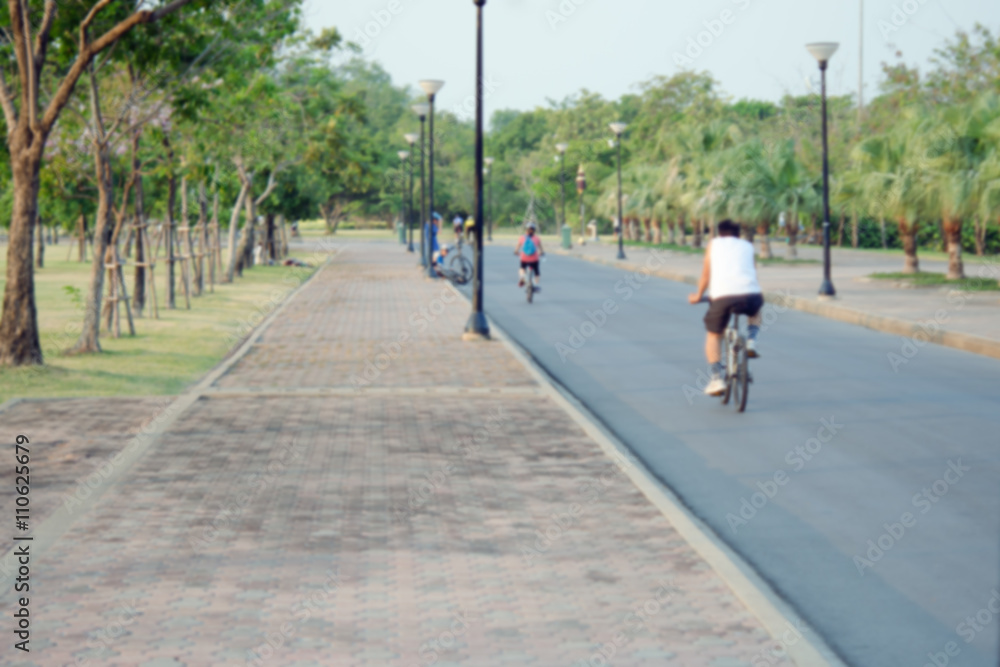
377,528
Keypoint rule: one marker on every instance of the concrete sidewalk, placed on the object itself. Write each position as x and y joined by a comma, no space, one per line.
967,321
358,487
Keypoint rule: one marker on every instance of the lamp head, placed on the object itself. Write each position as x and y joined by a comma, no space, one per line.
421,109
822,51
618,128
411,138
562,148
489,161
431,86
403,154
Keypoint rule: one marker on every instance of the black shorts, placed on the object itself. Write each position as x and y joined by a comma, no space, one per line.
534,265
717,317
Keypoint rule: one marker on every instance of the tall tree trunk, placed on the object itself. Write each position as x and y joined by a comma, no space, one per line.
658,231
282,237
953,236
139,213
855,223
55,234
980,234
234,222
19,340
908,235
188,247
202,238
647,228
89,341
244,256
885,239
326,209
696,223
840,231
792,227
765,240
171,223
269,247
215,259
83,236
40,230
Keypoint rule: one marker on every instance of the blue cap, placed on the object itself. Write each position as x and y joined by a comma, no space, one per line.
437,216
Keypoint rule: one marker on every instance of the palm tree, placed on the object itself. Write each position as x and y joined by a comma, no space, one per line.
895,181
670,189
705,144
957,147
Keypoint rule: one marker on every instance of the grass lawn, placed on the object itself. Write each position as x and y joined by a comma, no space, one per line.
690,250
782,261
927,279
165,356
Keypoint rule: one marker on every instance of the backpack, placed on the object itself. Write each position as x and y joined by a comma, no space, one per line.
528,247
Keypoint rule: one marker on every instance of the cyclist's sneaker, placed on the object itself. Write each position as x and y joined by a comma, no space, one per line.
520,283
716,386
752,349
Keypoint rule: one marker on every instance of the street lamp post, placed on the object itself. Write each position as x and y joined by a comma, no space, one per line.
822,52
581,185
477,327
562,179
431,87
619,129
411,139
422,109
489,172
403,157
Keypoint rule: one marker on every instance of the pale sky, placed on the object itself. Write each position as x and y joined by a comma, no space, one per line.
538,49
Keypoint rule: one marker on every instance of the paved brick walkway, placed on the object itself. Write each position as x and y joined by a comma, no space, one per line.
448,513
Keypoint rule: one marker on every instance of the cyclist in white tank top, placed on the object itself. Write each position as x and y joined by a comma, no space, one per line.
730,277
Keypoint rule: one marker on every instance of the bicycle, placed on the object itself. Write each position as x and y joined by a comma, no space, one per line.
459,263
738,376
459,272
529,282
734,354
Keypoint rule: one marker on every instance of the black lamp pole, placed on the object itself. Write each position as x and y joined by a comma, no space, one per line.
621,220
431,87
826,289
581,186
404,157
410,139
430,188
619,129
477,327
562,186
822,52
423,190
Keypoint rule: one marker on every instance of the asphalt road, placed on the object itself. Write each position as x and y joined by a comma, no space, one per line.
866,494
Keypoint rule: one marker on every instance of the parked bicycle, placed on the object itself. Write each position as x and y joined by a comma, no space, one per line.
459,268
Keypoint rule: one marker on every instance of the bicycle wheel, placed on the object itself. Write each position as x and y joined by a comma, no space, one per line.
741,384
463,269
727,370
531,284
